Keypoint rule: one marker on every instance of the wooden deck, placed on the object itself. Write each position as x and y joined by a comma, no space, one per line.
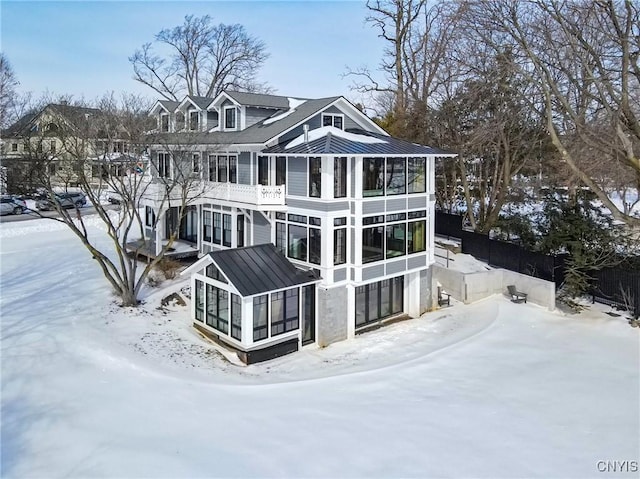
147,249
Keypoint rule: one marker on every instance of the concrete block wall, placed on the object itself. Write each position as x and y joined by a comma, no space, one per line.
332,315
471,287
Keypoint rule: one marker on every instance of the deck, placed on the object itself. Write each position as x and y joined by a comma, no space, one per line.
178,250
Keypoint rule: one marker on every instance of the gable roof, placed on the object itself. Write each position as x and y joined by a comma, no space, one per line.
259,99
74,115
332,141
201,102
260,269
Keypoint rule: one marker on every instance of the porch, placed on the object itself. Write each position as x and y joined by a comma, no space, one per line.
147,249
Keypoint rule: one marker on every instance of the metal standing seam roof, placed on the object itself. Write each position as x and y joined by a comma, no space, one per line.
260,269
331,144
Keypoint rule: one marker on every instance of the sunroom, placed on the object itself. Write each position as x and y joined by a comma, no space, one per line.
254,301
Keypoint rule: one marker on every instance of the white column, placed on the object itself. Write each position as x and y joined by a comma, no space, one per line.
326,189
247,322
412,294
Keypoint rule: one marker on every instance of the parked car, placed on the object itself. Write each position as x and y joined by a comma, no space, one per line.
10,205
66,200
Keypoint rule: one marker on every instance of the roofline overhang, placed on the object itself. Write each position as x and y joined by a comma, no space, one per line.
186,98
220,95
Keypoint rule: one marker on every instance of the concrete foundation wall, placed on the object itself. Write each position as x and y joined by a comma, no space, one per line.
332,315
426,290
471,287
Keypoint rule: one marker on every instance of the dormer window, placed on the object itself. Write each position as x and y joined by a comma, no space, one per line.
230,118
194,118
337,121
179,121
164,122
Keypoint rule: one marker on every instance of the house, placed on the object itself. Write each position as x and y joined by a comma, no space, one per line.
51,142
312,223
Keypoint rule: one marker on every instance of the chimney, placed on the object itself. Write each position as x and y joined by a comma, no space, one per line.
305,128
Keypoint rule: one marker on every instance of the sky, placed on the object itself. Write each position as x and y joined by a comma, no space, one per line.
82,47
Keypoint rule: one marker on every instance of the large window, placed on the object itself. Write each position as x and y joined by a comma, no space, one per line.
339,177
315,245
260,317
218,309
230,118
281,170
206,226
199,300
376,301
417,175
226,230
164,165
263,170
284,311
302,243
396,176
373,177
236,317
393,236
339,246
213,168
217,228
315,177
222,169
298,242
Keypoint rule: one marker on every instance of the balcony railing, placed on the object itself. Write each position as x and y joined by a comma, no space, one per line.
258,195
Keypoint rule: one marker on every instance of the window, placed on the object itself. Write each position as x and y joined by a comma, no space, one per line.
281,237
284,311
263,170
52,147
164,165
417,175
416,236
339,177
339,246
212,167
222,169
217,309
217,228
376,301
206,226
315,245
195,163
14,147
298,242
315,177
164,122
332,120
226,230
372,244
236,317
230,118
281,170
373,177
199,300
52,168
149,216
233,169
194,120
214,273
260,317
240,227
396,176
396,240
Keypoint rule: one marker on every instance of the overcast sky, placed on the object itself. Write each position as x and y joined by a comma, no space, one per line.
82,47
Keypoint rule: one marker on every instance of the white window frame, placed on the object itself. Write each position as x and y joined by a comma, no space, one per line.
162,115
224,118
197,125
332,115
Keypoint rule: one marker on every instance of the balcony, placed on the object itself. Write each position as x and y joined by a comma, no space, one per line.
254,195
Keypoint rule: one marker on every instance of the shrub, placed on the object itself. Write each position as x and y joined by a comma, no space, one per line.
168,267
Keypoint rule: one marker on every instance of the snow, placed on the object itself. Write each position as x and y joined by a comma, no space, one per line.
293,104
323,131
492,389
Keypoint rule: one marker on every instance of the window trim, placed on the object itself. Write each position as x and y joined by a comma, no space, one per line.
235,118
333,116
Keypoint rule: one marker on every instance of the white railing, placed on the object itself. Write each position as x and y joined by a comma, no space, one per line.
259,195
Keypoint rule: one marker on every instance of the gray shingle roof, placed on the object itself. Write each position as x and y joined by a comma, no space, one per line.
259,99
331,144
202,101
260,269
74,115
169,104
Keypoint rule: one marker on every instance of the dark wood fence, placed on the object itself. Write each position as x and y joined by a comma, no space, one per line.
619,286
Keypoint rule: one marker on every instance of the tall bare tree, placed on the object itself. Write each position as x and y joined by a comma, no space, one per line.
202,60
583,58
8,84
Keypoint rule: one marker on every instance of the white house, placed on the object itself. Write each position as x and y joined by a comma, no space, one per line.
314,224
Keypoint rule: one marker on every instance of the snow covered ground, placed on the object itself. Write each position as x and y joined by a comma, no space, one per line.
492,389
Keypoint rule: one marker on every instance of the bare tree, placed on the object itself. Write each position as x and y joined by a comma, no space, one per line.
8,84
583,58
100,150
202,60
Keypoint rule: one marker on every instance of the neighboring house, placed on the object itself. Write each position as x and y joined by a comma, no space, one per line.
48,136
314,223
